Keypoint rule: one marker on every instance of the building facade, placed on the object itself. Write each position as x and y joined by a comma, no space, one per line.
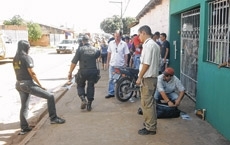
156,15
199,36
199,31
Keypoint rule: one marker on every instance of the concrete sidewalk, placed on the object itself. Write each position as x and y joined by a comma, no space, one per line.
116,123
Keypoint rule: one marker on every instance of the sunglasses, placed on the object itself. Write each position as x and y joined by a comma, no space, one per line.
116,50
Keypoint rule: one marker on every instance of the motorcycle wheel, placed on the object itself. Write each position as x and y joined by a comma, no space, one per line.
122,91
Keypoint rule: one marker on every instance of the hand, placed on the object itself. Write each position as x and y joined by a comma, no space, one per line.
177,102
43,88
125,65
138,82
70,76
171,104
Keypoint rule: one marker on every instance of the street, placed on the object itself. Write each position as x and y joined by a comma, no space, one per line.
51,69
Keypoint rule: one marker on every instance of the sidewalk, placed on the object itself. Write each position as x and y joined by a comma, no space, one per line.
116,123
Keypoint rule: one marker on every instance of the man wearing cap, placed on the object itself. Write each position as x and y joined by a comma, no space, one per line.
86,55
167,85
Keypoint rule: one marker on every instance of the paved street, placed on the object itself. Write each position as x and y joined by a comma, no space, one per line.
116,123
51,69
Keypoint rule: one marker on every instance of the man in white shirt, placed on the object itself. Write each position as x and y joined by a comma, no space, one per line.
167,87
117,57
147,79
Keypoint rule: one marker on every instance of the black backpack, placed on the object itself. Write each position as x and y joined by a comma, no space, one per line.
164,111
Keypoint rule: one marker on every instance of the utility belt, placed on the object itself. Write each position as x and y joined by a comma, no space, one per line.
24,81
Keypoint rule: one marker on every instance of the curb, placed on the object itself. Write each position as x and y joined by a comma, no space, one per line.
42,117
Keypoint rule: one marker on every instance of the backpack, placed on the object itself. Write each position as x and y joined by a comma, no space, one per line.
164,111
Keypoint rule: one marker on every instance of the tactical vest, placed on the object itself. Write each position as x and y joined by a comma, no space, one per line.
88,57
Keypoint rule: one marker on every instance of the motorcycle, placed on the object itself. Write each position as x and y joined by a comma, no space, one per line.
125,83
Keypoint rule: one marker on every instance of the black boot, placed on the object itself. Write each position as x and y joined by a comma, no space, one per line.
83,102
89,106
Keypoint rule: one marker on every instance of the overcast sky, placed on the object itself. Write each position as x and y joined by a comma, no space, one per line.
80,14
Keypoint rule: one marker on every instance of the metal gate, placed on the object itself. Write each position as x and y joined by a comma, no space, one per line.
190,30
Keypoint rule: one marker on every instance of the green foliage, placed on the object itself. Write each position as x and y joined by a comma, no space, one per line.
34,31
109,25
126,23
16,20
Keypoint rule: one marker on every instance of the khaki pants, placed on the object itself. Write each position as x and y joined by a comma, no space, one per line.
148,103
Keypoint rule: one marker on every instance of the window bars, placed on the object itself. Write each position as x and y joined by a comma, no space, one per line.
218,41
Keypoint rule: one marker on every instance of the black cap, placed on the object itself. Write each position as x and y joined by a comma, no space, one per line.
85,38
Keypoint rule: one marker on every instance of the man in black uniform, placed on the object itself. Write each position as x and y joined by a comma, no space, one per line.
28,84
87,56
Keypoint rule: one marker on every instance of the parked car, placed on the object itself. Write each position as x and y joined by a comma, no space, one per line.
67,46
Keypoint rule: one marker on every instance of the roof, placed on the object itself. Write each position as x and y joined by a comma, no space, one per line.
149,6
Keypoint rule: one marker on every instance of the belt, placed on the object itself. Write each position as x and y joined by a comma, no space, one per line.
20,81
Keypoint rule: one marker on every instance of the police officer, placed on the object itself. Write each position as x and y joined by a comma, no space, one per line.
87,56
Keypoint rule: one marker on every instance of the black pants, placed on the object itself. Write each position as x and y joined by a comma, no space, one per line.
83,76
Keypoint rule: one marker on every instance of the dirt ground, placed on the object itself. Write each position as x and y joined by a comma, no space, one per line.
116,123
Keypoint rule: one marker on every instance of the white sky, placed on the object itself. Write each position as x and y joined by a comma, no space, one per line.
80,14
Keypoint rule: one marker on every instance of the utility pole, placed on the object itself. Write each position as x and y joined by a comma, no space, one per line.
121,13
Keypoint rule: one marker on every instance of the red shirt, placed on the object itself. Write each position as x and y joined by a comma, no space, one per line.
136,41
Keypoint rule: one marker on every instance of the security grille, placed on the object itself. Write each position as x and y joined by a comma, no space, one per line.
218,32
190,30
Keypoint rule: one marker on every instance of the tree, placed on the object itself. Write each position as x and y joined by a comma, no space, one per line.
16,20
34,31
126,23
109,25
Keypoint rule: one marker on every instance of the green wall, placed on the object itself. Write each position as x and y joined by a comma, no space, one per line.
175,36
213,92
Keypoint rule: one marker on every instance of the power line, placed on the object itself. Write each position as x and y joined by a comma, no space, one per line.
126,7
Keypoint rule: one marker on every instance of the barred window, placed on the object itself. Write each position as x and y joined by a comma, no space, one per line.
218,47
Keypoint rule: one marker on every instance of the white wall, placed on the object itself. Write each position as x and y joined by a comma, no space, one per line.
157,19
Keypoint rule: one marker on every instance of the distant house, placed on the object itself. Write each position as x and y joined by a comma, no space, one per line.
15,32
51,36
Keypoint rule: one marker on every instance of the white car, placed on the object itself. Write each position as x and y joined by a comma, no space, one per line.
5,41
67,46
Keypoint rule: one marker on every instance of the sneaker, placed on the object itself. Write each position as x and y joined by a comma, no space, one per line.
132,100
57,120
144,131
83,103
24,131
139,111
109,96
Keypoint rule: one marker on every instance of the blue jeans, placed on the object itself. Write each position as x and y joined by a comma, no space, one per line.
172,96
137,61
27,88
111,82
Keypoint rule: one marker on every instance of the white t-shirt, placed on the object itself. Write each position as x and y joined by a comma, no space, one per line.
118,53
151,56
